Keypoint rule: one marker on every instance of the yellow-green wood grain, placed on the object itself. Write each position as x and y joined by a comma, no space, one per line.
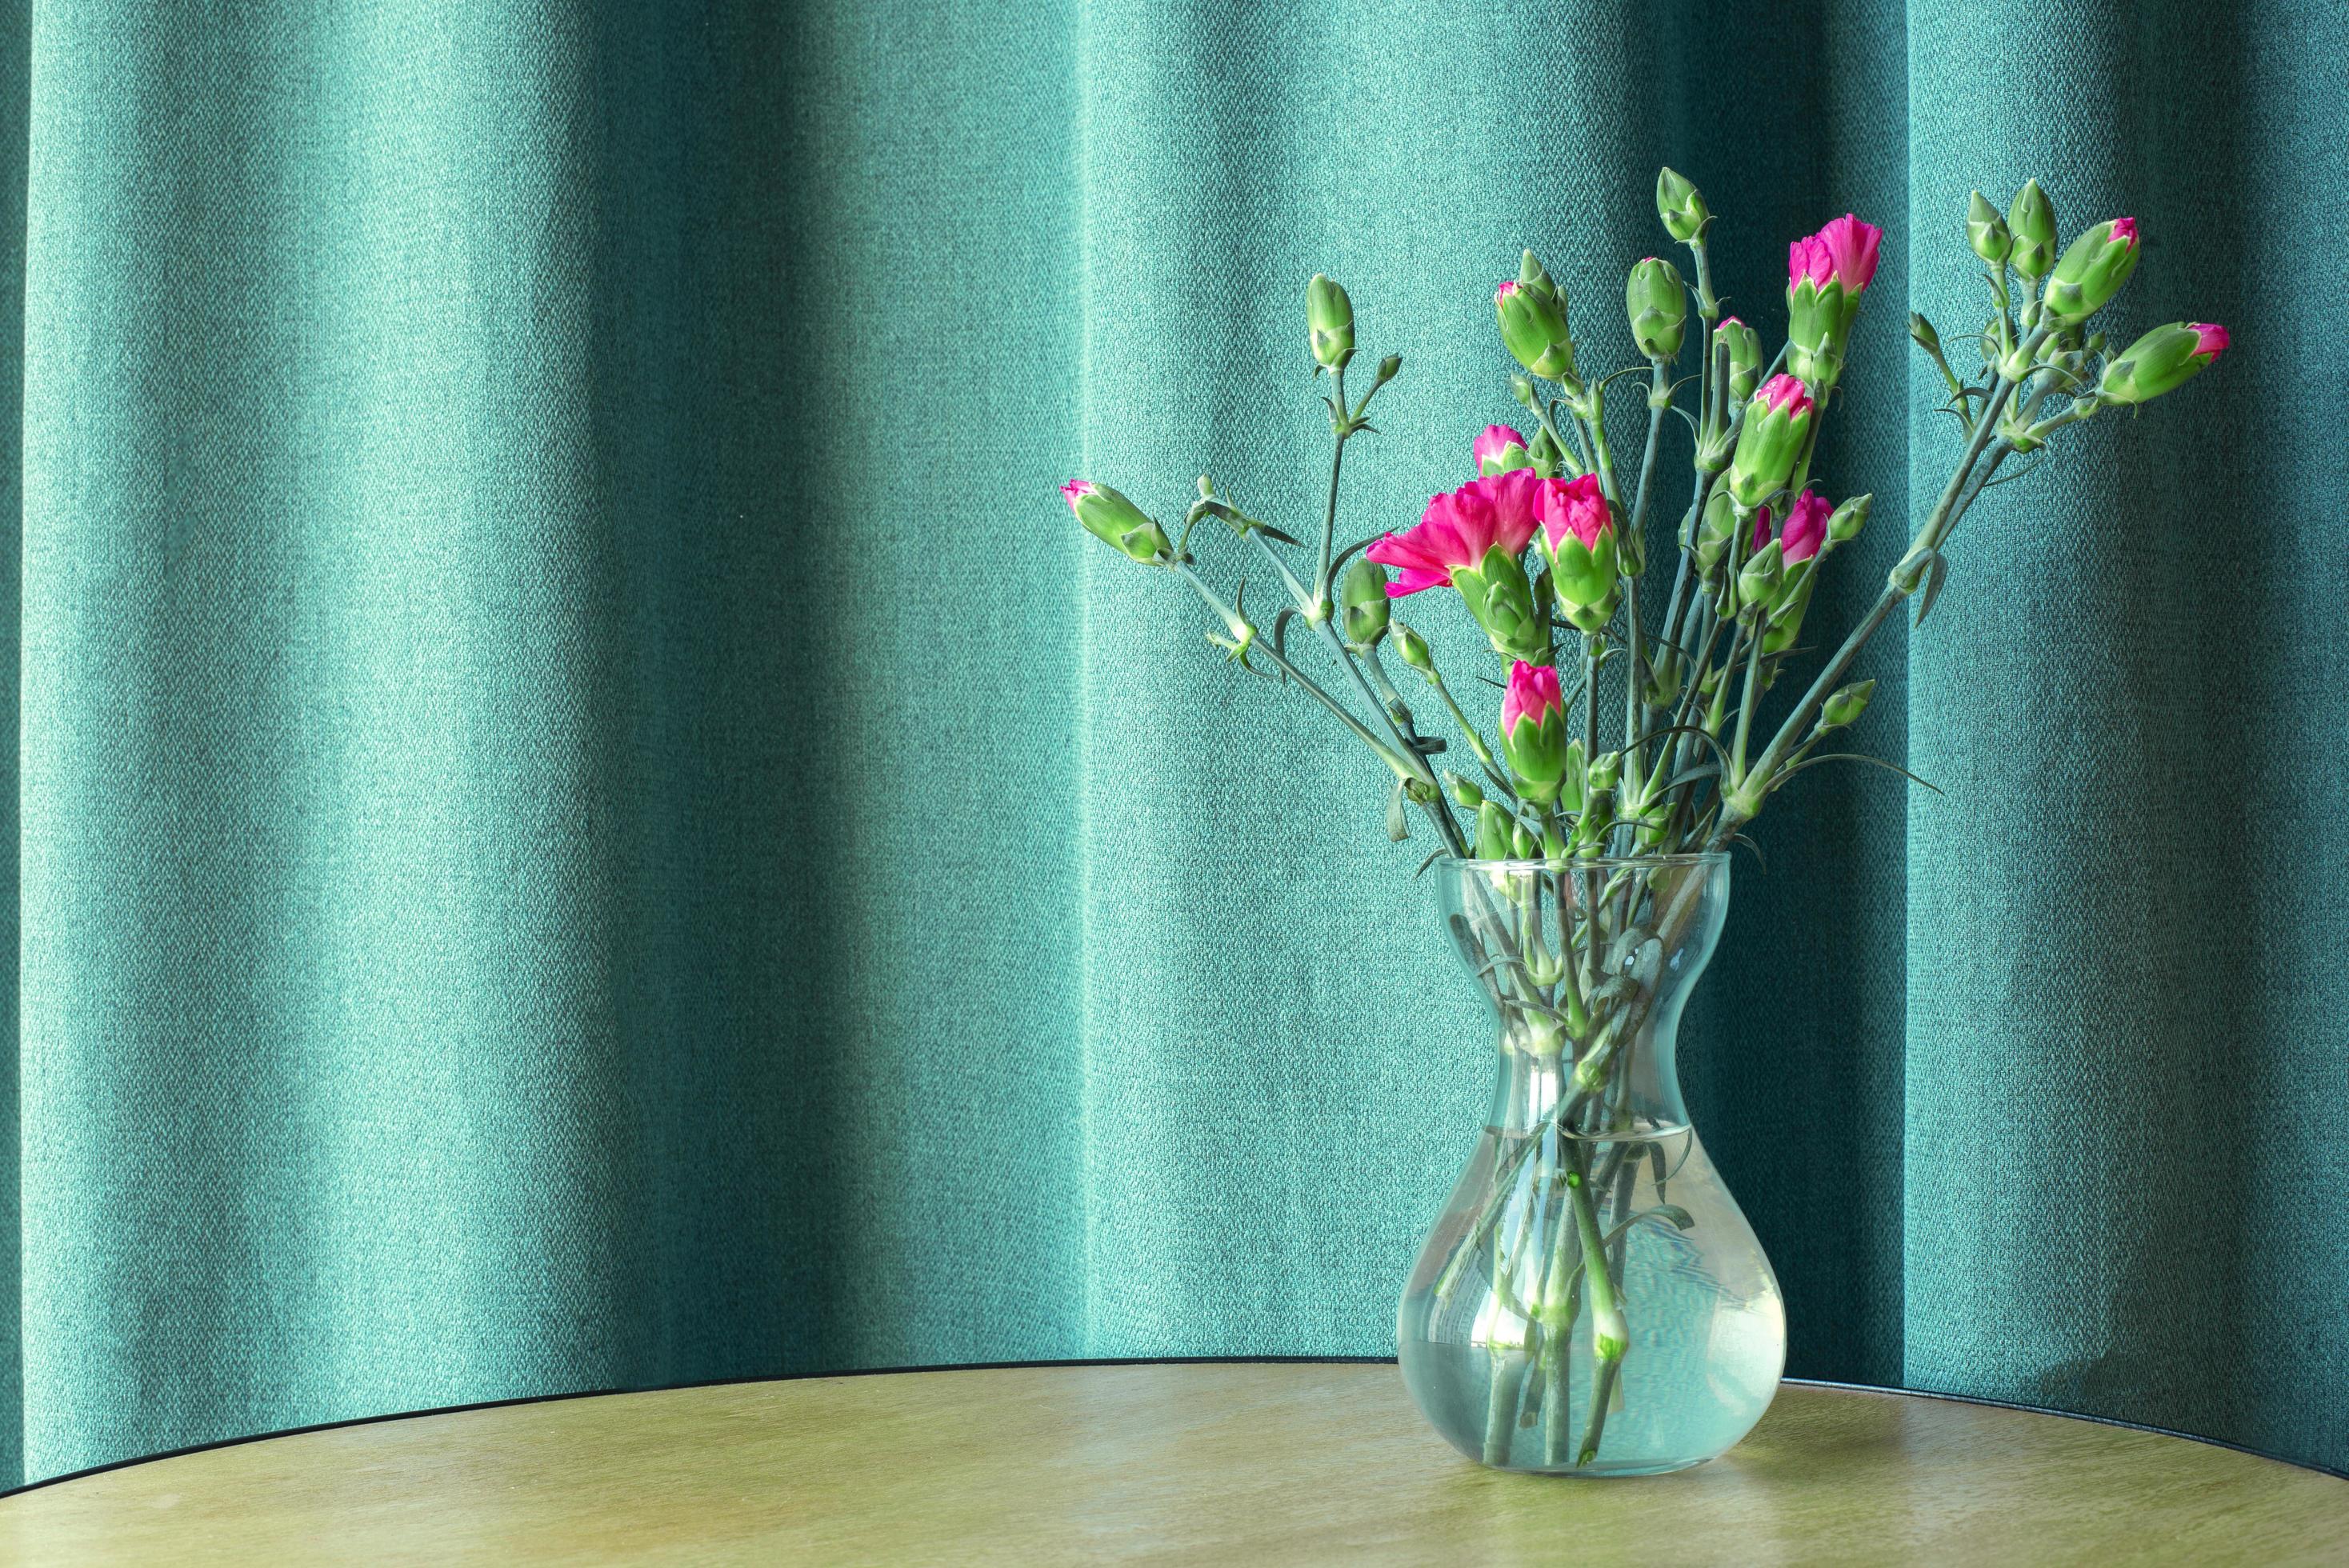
1214,1463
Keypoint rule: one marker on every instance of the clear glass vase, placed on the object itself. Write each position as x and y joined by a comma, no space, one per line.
1590,1301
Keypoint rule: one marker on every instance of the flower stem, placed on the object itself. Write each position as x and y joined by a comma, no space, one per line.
1740,804
1609,1334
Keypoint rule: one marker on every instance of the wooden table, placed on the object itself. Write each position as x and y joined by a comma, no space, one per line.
1223,1462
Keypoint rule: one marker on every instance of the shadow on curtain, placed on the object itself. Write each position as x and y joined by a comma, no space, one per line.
586,820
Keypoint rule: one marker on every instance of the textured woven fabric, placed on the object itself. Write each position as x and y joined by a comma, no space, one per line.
587,819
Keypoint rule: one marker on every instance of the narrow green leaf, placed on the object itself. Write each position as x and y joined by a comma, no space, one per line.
1854,756
1935,574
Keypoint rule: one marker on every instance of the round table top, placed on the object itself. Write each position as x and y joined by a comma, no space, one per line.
1248,1462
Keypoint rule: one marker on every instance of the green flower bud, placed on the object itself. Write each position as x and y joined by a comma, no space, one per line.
1845,704
1682,208
1498,595
1716,530
1492,832
1777,424
2162,361
1759,580
1108,516
1329,318
1986,232
1656,302
1846,521
1605,770
1362,604
1532,313
1522,844
1744,357
2031,220
1470,794
2092,271
1390,367
1573,780
1411,647
1815,332
1793,602
1922,331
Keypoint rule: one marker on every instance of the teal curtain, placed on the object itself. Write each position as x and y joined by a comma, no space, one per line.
585,819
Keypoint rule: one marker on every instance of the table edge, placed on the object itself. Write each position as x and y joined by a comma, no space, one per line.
1887,1390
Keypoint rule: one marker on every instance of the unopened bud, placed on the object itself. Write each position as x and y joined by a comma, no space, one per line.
2092,271
1470,794
1986,232
1492,832
1605,770
1362,603
1656,303
1532,316
2032,221
1922,332
1744,357
1846,521
2162,361
1845,704
1758,581
1329,317
1680,205
1390,367
1109,517
1411,647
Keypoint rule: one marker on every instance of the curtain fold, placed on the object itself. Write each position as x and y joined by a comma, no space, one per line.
585,819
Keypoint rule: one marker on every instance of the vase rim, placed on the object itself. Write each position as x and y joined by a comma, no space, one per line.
1579,862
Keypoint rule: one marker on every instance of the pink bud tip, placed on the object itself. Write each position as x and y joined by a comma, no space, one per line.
1807,527
2124,230
1491,439
1573,507
1729,321
1784,395
2213,337
1533,693
1076,491
1505,291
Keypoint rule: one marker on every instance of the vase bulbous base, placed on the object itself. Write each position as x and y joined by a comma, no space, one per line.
1509,1382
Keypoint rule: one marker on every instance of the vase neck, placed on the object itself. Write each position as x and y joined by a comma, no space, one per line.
1640,1087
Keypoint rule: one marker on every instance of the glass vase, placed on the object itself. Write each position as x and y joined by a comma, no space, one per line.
1590,1301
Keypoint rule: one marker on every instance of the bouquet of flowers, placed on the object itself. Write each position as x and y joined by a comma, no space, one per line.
1636,732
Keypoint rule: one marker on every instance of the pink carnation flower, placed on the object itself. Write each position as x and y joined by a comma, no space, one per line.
1458,528
1845,252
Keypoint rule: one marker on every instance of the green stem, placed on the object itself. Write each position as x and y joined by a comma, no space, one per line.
1610,1335
1320,609
1745,704
1241,629
1467,727
1738,807
1707,306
